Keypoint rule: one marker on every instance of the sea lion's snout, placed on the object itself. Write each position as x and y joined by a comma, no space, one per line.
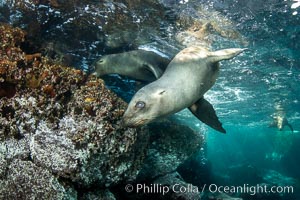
99,67
136,114
93,68
125,123
129,123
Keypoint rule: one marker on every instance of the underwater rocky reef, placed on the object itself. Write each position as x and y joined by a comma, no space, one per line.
60,126
58,123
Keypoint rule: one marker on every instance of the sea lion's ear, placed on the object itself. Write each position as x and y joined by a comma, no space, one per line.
160,93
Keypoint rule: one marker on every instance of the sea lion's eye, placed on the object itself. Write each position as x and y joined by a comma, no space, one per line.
100,61
140,104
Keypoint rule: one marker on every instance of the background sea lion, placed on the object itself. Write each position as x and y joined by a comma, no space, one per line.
138,64
191,73
280,122
279,118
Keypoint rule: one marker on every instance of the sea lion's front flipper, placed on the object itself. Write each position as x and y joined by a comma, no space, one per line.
155,70
205,112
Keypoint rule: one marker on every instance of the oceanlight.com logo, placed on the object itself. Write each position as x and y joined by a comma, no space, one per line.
252,190
212,188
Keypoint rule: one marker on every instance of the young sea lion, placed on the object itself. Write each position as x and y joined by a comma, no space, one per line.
138,64
191,73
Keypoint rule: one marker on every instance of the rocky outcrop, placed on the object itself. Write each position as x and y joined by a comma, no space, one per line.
170,145
59,128
98,195
178,188
25,180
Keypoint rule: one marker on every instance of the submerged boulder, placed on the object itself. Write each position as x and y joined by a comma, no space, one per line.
170,145
178,188
98,195
59,127
25,180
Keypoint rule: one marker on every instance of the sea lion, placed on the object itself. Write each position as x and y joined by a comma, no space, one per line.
280,121
279,118
138,64
191,73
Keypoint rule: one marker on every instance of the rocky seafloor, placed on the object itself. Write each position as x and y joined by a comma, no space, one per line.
60,133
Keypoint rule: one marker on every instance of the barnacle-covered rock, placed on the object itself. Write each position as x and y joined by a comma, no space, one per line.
25,180
170,145
178,188
59,128
3,163
99,195
167,186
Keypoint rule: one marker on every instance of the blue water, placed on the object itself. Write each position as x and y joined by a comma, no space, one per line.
252,87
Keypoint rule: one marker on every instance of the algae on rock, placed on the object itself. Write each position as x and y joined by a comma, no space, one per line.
59,127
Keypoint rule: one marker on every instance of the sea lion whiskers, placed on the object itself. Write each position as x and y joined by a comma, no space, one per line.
141,122
127,122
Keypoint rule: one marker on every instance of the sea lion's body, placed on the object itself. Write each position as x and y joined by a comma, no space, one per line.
138,64
191,73
280,121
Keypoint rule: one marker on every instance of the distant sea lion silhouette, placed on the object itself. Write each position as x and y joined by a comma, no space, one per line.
280,121
138,64
191,73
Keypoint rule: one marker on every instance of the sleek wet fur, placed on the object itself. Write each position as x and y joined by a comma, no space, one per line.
191,73
138,64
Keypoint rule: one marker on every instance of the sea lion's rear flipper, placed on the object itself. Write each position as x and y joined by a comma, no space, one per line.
290,126
224,54
155,70
205,112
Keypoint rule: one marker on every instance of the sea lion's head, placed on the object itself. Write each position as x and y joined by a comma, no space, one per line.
105,65
145,106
